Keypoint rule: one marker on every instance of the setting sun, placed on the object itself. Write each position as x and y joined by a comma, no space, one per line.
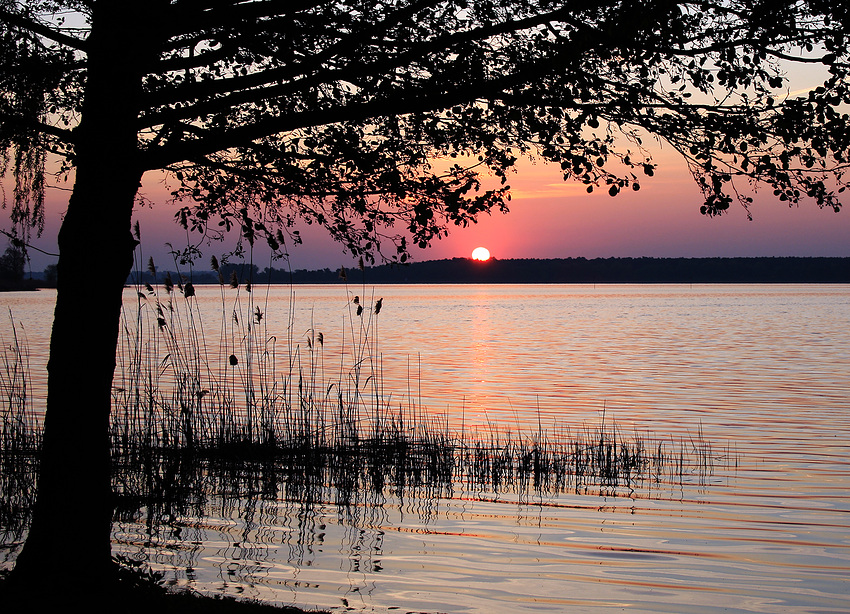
481,253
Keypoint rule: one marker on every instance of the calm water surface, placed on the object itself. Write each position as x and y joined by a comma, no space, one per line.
760,372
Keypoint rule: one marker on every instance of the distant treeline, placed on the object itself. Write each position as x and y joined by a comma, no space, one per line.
559,270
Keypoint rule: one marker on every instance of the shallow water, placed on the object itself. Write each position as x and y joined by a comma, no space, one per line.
760,372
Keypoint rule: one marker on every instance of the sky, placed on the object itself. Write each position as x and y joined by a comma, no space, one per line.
551,218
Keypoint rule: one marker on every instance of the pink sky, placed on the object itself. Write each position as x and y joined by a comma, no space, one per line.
551,218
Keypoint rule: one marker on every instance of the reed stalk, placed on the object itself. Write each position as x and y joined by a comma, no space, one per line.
259,415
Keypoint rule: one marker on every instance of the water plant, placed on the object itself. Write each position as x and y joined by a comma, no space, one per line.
245,413
20,437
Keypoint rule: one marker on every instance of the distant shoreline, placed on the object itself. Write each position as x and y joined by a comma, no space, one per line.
26,285
754,270
549,271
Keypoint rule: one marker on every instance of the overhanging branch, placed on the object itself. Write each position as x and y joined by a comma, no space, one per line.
43,30
415,101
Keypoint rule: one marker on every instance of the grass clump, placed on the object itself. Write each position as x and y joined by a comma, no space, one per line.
250,414
20,438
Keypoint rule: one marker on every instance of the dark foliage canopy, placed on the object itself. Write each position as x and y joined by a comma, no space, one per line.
385,120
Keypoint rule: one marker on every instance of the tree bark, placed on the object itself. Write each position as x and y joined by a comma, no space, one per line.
68,548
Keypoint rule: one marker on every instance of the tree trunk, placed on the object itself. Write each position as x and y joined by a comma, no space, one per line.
68,548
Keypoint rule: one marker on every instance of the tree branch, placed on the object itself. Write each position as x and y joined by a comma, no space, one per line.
62,134
43,30
186,94
197,16
417,100
18,240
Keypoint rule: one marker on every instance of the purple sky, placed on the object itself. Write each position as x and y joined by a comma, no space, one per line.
551,218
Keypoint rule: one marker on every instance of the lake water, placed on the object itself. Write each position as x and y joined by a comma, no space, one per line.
759,372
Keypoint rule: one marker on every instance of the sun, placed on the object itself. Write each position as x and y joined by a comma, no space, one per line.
481,253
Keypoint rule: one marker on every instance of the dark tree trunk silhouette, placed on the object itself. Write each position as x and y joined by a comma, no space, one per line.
72,519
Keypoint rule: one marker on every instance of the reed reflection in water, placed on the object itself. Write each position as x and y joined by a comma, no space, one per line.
668,363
